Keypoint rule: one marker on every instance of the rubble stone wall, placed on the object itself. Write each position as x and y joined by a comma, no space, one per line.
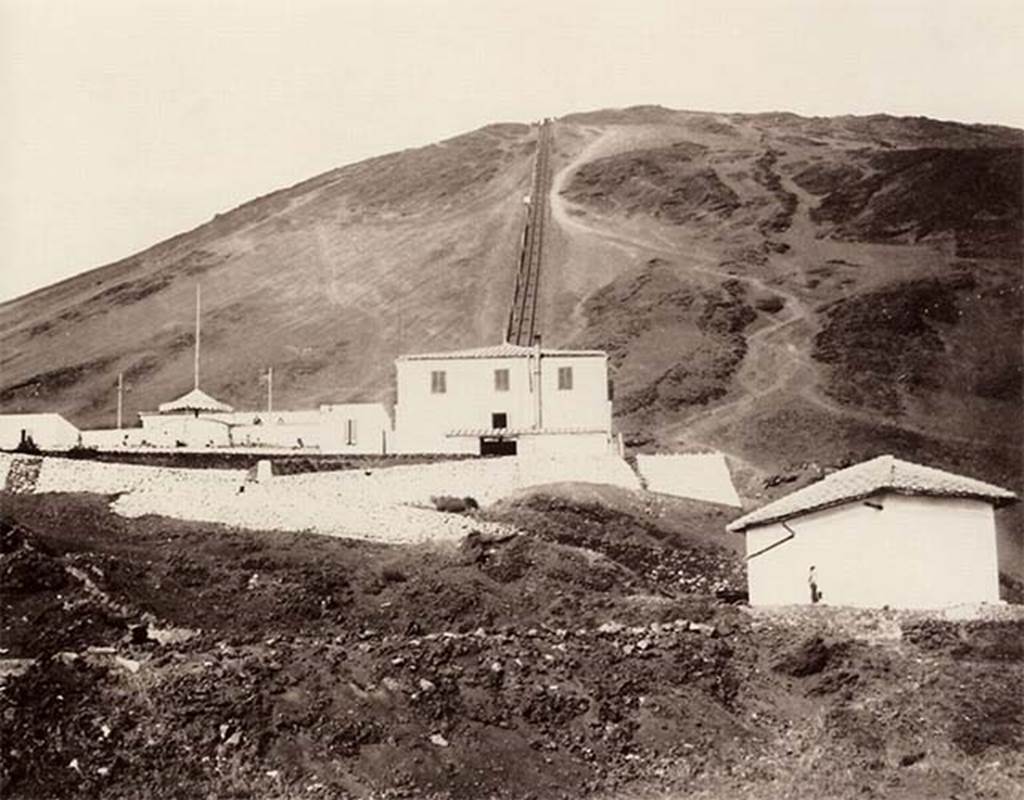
392,504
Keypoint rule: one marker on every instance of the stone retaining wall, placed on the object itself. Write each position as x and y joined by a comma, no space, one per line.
391,504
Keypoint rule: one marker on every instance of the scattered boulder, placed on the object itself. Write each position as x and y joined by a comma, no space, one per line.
808,658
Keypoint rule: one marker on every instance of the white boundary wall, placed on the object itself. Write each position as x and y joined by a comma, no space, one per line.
698,476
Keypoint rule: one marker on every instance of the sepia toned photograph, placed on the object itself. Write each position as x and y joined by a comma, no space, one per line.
461,400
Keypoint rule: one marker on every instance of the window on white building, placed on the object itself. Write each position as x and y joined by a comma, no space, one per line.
438,383
350,431
501,380
565,377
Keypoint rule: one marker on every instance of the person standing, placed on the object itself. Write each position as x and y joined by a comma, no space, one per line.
812,583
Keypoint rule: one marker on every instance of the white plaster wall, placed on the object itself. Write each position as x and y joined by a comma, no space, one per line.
373,428
698,476
48,431
918,552
164,430
422,418
113,438
598,444
586,405
272,435
323,429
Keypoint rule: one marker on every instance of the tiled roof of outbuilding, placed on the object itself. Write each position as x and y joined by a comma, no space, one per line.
504,350
882,474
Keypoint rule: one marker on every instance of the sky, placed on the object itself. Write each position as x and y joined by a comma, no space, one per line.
124,122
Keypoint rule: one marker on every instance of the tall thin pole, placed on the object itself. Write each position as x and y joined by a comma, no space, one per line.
120,397
197,338
270,389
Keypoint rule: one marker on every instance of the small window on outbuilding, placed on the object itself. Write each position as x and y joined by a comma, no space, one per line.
438,382
565,378
499,420
501,380
350,431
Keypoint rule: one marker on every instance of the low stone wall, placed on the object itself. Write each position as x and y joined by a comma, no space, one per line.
6,460
484,480
873,625
72,475
391,504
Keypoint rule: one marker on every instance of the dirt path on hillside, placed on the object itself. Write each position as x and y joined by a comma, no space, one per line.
767,366
778,355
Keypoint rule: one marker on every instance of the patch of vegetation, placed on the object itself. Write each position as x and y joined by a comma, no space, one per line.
706,366
454,505
667,183
54,381
766,175
634,304
770,304
882,343
824,177
975,194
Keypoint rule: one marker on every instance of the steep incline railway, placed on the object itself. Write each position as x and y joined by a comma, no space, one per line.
523,326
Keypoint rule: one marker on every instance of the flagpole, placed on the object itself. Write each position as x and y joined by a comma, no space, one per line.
120,397
270,389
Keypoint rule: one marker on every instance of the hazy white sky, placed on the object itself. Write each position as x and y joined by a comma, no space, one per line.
127,121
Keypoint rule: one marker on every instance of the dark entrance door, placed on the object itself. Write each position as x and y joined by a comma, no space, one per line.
496,446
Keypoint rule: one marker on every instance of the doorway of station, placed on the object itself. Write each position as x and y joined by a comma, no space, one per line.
497,446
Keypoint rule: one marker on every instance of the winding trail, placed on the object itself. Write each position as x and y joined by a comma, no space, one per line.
762,371
777,356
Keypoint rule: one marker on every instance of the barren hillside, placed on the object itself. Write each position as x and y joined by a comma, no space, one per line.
584,658
786,289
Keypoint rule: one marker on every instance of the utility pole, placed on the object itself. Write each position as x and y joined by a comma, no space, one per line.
120,397
197,339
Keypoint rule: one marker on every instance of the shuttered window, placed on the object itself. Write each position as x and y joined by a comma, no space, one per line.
565,378
501,380
350,431
438,382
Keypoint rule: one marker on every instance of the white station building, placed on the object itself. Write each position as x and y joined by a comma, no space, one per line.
501,400
504,400
885,532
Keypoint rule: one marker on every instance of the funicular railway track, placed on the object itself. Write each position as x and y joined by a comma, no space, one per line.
522,319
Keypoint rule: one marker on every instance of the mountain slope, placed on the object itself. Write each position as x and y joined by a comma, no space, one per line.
297,279
786,289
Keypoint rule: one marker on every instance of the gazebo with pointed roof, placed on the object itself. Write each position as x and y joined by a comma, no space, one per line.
194,402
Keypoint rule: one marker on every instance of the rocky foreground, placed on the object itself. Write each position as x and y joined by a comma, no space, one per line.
596,654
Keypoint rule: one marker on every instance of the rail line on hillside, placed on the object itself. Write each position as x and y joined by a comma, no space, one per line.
523,326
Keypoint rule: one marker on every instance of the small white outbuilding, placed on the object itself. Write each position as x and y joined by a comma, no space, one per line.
882,533
46,431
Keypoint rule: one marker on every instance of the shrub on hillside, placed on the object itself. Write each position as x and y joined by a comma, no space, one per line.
771,304
454,505
27,445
